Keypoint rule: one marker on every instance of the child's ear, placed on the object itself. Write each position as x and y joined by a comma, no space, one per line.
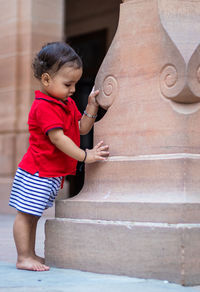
45,79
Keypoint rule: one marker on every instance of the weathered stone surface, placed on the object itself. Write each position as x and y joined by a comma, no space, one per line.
7,154
143,250
7,109
145,197
142,193
25,26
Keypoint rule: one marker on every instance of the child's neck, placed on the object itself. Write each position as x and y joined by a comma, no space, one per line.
44,91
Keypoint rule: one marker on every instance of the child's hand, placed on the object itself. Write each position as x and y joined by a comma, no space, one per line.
92,97
98,153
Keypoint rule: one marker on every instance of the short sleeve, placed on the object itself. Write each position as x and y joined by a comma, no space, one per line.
49,117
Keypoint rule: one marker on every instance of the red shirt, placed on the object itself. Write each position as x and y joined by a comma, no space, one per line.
48,113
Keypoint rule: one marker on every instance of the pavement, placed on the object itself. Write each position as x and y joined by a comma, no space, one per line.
65,280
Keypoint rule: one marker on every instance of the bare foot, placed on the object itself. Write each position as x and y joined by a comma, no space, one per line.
31,264
39,259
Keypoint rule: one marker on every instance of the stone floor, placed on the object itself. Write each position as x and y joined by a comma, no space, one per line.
60,280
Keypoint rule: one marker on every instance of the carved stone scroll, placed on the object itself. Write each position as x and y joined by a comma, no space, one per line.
108,92
139,212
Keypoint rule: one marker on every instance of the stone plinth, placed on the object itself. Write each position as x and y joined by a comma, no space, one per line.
138,213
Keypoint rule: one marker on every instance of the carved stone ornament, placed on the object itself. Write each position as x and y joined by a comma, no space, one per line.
108,91
138,213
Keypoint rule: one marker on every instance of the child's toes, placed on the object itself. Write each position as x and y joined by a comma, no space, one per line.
42,268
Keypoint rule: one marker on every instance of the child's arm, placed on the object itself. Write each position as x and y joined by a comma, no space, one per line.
87,121
66,145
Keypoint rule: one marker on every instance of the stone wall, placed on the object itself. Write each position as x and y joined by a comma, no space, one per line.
25,25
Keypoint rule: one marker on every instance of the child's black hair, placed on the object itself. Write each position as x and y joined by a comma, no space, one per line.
53,56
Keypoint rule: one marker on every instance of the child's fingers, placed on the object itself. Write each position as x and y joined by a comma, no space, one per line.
99,145
100,158
94,92
103,148
104,153
101,151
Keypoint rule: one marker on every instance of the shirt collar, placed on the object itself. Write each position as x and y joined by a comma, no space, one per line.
41,95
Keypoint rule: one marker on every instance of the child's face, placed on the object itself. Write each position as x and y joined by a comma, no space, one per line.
62,84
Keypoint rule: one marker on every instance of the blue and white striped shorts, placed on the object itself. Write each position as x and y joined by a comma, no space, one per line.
33,194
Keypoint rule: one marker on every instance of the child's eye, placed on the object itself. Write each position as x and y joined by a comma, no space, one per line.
67,85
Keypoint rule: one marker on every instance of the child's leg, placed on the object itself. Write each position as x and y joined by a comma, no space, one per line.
24,240
33,237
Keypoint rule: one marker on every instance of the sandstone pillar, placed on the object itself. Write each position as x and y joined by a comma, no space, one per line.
25,26
139,212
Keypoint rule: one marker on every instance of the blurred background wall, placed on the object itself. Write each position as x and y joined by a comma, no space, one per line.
25,25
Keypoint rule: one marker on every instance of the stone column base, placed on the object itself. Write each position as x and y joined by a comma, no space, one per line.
138,249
